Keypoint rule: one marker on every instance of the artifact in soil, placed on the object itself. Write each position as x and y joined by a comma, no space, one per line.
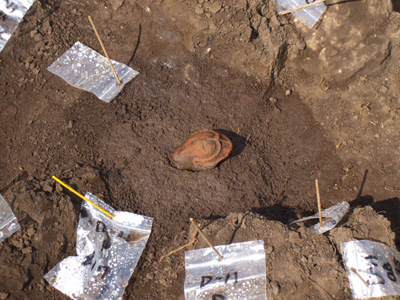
203,150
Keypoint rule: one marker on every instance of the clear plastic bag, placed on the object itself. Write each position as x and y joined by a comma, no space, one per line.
108,252
8,222
309,16
240,275
373,269
331,215
11,13
86,69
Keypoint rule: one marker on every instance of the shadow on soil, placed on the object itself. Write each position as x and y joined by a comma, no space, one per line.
239,142
396,5
277,212
389,208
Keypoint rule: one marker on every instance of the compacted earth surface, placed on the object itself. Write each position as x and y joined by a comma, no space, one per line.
298,104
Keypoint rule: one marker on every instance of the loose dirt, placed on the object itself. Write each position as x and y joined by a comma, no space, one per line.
298,104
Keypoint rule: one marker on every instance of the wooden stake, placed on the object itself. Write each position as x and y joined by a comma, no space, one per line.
83,197
206,239
104,50
300,7
319,202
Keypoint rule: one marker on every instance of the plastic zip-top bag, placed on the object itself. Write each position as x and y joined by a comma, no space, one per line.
86,69
8,222
373,269
108,251
240,275
331,215
309,16
11,13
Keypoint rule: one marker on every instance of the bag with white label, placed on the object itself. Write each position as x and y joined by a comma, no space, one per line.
107,253
86,69
331,216
373,269
240,275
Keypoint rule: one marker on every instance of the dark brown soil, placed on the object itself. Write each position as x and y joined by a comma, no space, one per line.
289,98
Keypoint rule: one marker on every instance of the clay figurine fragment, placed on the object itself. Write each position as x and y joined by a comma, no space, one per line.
203,150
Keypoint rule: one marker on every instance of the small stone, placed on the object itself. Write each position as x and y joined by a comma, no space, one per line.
275,288
117,4
149,276
37,37
273,100
17,243
4,296
33,32
215,7
30,232
70,124
269,250
46,27
199,10
168,260
59,188
293,237
47,187
363,78
163,282
26,250
288,93
383,89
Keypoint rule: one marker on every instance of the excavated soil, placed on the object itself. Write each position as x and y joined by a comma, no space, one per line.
298,104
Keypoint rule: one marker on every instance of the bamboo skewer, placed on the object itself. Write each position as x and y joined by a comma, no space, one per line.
319,202
301,7
83,197
359,277
104,50
206,239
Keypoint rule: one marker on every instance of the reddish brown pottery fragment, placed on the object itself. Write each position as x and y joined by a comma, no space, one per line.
203,150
